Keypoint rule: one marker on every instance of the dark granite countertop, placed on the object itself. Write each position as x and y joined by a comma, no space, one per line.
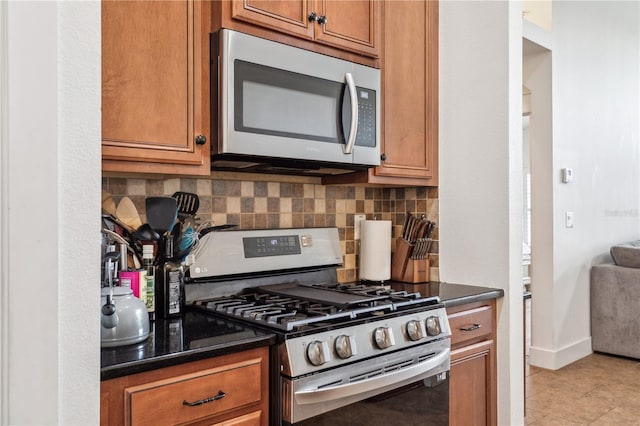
192,337
451,294
198,336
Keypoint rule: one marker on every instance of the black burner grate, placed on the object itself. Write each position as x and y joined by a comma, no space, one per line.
264,306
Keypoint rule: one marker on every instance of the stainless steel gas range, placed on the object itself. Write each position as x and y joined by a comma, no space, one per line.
347,353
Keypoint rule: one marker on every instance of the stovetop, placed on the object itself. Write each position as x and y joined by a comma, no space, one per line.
291,307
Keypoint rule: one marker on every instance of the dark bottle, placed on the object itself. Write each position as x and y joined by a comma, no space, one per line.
170,291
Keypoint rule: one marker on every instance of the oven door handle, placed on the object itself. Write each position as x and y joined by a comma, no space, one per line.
409,374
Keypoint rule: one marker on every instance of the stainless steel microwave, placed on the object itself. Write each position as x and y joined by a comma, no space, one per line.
283,109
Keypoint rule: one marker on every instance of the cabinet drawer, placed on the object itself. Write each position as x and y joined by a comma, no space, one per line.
210,392
251,419
471,324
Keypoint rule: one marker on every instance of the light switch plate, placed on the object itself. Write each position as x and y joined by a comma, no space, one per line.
567,175
568,220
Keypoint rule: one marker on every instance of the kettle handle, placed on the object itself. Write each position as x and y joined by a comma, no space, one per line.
109,319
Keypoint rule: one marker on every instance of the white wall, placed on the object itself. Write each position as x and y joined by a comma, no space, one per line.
481,170
596,127
537,76
50,212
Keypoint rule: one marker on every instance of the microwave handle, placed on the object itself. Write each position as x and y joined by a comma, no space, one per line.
351,140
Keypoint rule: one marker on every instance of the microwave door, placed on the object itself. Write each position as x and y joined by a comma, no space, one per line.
279,113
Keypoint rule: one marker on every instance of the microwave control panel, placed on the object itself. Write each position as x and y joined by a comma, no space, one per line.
366,135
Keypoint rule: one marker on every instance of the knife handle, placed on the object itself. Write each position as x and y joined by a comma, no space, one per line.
401,258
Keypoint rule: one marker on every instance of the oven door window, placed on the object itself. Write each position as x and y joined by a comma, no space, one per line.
414,404
275,102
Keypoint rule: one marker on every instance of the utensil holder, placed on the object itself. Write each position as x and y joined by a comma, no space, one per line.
405,269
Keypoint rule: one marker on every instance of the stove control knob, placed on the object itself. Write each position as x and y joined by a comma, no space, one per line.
345,346
415,330
318,352
433,326
383,337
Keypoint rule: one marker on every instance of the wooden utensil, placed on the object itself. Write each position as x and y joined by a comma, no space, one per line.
128,214
108,205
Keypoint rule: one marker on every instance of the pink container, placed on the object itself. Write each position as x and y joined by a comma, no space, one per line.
130,279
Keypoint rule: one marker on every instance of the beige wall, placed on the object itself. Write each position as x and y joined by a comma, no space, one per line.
538,12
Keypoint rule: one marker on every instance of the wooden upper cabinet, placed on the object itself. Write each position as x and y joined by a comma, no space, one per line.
409,127
155,87
348,25
289,16
351,25
410,91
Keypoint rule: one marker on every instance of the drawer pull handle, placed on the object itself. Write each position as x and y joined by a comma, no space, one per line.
471,327
220,395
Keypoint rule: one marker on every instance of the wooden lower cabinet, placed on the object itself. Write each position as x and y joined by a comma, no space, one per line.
472,386
250,419
226,390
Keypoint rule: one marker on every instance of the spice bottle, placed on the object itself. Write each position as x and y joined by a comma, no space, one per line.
150,279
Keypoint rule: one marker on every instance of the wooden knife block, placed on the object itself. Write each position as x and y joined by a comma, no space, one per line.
405,269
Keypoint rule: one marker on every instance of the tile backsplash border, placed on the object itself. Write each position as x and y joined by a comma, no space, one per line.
259,204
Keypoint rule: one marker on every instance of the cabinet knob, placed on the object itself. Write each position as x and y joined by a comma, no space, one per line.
201,140
319,19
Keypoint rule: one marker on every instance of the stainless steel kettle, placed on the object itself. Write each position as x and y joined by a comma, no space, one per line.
124,319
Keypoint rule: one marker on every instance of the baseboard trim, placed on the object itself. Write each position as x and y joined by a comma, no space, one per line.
554,360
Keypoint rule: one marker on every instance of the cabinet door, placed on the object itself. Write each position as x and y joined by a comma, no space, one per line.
350,24
288,16
472,385
410,90
155,87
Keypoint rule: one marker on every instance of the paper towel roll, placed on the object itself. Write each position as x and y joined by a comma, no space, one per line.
375,250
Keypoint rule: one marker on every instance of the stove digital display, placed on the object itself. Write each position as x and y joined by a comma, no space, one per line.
280,245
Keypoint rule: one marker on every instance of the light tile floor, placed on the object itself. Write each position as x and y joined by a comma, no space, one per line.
596,390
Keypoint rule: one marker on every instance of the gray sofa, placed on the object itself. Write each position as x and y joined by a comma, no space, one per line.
615,302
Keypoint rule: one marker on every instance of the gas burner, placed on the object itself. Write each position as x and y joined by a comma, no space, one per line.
294,307
372,289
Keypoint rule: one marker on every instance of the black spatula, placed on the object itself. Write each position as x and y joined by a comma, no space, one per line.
162,213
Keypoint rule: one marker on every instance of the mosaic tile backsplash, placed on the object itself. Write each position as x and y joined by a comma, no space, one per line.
265,204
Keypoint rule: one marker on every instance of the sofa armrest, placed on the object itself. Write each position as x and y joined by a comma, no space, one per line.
626,254
615,310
